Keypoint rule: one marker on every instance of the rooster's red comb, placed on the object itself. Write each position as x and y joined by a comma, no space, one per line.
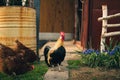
62,33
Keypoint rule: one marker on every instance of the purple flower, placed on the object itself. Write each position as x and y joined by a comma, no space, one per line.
97,52
112,52
89,51
115,50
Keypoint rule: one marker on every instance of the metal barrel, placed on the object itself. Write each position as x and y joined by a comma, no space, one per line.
18,23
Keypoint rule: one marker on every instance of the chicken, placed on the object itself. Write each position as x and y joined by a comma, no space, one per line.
15,65
29,55
13,62
56,54
6,51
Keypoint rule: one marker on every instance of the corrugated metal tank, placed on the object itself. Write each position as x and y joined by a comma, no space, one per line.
18,23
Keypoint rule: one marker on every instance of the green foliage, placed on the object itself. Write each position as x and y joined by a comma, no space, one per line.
108,59
111,45
102,59
114,61
36,74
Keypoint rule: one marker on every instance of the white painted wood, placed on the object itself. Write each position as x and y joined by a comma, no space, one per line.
111,34
109,17
104,33
113,25
104,29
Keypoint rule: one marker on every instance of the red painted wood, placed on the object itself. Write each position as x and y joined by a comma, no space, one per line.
85,17
95,27
91,28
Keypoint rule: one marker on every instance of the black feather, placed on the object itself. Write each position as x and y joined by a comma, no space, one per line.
56,57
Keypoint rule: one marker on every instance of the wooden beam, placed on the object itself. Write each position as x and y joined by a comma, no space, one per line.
111,34
104,29
109,17
113,25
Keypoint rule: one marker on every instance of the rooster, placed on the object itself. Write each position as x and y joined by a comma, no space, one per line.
56,54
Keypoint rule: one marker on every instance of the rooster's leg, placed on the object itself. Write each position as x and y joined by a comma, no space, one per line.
52,68
59,67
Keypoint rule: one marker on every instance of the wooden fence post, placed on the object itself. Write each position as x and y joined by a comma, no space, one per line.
104,27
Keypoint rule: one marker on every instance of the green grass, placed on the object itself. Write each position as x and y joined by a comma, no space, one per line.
36,74
73,64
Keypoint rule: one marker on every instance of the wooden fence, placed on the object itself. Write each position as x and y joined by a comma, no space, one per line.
105,25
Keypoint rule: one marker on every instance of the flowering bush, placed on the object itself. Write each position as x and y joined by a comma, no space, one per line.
108,58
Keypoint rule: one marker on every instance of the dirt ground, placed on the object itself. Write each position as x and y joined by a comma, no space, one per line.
86,73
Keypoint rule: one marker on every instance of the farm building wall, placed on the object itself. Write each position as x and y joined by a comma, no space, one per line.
95,27
56,16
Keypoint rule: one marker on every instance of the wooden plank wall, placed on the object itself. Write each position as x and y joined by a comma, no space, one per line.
57,15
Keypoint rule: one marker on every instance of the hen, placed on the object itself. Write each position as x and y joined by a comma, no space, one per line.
56,54
6,51
29,55
15,65
13,62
